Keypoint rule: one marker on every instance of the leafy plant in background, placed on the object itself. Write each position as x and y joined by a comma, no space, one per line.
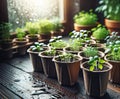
38,47
96,63
32,28
5,31
57,25
110,9
90,52
100,32
85,18
45,26
20,33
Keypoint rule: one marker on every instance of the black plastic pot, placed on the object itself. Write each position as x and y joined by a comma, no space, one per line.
67,72
115,72
36,61
48,65
81,53
96,81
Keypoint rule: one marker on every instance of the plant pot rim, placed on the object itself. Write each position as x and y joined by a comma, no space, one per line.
99,52
75,24
65,49
29,36
102,71
44,56
109,20
79,58
106,58
32,52
17,40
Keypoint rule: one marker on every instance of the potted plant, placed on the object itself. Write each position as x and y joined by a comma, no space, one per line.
85,20
83,36
6,41
98,46
90,52
67,67
96,74
57,43
57,29
111,10
75,45
45,28
100,33
48,64
20,41
36,60
113,57
32,29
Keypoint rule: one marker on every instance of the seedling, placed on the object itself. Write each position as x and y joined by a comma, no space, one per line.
38,47
85,18
96,63
90,52
20,33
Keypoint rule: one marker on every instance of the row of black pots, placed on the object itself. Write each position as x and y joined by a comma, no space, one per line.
67,73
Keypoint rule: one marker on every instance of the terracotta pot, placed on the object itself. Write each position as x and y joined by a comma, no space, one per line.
67,73
83,27
48,65
81,53
113,25
22,48
96,81
32,38
115,72
36,61
45,36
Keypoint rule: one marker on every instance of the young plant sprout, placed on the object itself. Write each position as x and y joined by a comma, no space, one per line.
96,63
37,47
90,52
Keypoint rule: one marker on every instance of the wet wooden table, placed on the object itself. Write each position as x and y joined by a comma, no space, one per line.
18,81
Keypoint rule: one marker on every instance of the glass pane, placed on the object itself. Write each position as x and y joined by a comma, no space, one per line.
21,11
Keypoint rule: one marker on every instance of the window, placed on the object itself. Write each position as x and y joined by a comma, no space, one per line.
21,11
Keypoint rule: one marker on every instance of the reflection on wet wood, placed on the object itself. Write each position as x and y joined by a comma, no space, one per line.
17,80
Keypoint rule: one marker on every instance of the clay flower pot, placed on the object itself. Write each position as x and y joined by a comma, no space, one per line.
113,25
67,72
83,27
115,72
96,81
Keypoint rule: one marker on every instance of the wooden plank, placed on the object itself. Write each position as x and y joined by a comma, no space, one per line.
15,77
7,94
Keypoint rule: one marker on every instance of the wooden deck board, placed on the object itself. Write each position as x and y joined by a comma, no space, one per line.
17,77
